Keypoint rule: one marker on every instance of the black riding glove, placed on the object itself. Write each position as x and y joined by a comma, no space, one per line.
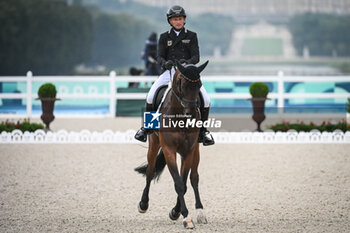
168,65
182,61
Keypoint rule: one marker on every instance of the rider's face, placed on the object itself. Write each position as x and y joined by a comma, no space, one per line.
177,22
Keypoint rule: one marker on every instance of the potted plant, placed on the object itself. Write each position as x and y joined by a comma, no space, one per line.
259,92
47,94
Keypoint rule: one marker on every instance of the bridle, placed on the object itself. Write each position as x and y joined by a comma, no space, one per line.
180,96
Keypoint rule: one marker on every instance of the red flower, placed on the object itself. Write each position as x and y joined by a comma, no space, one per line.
285,122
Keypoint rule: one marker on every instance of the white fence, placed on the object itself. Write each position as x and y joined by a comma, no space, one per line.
113,95
127,137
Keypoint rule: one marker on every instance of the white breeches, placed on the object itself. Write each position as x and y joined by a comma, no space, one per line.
164,79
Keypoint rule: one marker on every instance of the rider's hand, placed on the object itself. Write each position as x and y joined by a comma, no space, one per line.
168,65
183,61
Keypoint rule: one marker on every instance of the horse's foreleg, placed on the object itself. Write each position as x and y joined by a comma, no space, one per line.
151,159
175,212
170,157
194,177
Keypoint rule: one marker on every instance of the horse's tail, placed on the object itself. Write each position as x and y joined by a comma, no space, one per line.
160,165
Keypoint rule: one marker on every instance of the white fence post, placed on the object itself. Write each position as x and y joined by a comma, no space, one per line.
29,93
280,99
112,93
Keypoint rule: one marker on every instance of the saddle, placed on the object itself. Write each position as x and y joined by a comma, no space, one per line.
157,99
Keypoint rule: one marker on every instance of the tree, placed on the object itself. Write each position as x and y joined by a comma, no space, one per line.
118,39
323,34
46,37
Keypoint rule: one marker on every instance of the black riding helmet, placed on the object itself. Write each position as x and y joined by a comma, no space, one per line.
175,11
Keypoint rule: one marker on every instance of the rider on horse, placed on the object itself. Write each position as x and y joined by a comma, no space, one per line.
177,44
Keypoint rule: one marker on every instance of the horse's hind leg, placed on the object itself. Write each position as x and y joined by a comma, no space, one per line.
151,158
194,177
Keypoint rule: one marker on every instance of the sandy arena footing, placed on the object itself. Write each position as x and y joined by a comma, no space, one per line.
244,188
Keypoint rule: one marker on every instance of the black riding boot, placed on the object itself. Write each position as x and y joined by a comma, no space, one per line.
204,134
141,135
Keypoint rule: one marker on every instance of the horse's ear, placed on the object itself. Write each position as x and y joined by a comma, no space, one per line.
201,67
179,66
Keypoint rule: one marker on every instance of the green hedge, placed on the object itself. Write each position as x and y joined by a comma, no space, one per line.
8,126
325,126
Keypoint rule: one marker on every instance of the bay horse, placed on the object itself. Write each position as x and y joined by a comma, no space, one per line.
180,99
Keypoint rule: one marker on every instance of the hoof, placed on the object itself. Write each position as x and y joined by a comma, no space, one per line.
188,223
173,215
142,207
201,219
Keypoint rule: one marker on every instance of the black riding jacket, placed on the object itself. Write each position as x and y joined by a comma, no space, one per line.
173,47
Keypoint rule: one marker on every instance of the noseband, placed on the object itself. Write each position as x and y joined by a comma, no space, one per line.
180,96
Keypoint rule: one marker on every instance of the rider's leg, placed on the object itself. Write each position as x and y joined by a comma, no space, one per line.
141,134
204,134
163,79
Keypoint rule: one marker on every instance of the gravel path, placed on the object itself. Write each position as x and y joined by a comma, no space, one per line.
244,188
